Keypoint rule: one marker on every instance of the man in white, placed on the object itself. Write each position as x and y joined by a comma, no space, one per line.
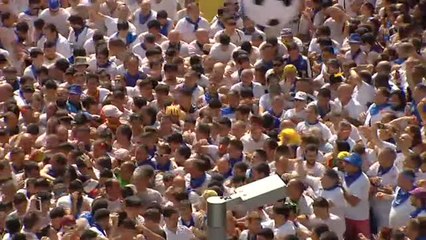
311,121
322,215
170,6
351,108
363,92
56,15
51,34
255,139
401,207
143,15
79,33
356,189
383,174
282,225
191,23
247,77
175,42
173,230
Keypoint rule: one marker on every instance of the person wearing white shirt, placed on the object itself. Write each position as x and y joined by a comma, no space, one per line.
356,54
322,215
124,34
147,43
249,29
174,42
201,45
401,207
363,92
255,139
30,15
191,23
310,163
79,33
383,173
380,107
173,230
311,121
101,61
356,189
235,34
246,78
282,225
37,59
90,43
51,34
170,6
57,16
351,108
144,15
222,51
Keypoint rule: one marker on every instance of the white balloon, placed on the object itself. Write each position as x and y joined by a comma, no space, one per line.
271,13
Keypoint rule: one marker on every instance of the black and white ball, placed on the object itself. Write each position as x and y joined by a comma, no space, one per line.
271,13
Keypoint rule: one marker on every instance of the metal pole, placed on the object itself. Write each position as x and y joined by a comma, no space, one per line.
216,218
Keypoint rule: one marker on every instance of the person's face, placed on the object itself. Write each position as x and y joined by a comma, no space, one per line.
349,168
190,80
323,101
50,53
247,78
101,59
355,47
146,7
74,98
172,220
202,36
92,84
293,191
311,114
379,98
311,156
133,65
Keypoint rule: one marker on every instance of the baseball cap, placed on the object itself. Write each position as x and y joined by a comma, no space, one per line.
355,38
54,4
302,96
354,159
286,32
111,111
75,90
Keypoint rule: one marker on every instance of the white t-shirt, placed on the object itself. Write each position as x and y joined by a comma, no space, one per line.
170,6
63,47
222,53
236,37
142,26
282,231
187,29
251,145
78,42
360,188
65,201
60,20
400,215
258,90
292,114
182,233
335,223
353,108
316,171
304,126
183,51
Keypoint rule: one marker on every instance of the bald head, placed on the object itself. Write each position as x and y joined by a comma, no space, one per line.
6,92
179,182
174,36
344,93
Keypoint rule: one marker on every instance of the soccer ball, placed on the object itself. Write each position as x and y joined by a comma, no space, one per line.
271,13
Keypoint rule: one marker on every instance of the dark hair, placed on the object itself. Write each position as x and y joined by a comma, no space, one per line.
30,220
154,24
267,233
13,225
224,39
282,209
320,229
169,211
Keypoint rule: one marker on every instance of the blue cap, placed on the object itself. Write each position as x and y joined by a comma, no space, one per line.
354,159
75,90
54,4
355,38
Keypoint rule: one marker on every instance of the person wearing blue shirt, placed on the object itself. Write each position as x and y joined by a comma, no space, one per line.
133,74
297,59
74,102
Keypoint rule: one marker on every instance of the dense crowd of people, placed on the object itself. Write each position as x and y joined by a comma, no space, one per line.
120,118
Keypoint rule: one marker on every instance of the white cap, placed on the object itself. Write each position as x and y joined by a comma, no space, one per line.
302,96
111,111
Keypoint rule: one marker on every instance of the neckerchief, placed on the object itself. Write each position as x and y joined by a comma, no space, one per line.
175,46
190,224
351,178
100,229
277,118
78,32
165,29
132,79
104,66
131,38
197,182
95,96
164,168
382,171
147,162
375,109
233,161
400,197
144,19
227,111
208,97
196,23
417,212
